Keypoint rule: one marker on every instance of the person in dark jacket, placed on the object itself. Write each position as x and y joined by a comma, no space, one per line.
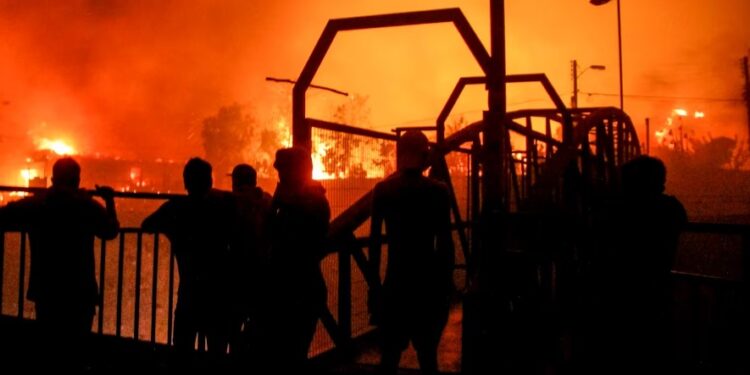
62,222
639,239
413,303
250,257
199,227
297,291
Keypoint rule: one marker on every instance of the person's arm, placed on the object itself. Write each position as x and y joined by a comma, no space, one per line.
445,249
109,226
158,220
15,215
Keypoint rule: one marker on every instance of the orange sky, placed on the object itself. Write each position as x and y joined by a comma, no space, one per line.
137,77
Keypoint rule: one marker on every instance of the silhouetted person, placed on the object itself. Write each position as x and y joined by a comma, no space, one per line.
199,227
297,290
62,222
413,302
250,252
641,233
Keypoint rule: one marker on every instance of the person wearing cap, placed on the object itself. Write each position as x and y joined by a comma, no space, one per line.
250,246
62,222
297,292
413,302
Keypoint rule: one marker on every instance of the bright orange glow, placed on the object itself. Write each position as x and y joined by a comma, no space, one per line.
681,112
319,170
699,114
285,132
28,174
57,146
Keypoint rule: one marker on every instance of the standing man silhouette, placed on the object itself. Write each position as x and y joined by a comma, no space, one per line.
413,303
640,237
199,228
62,223
297,290
250,252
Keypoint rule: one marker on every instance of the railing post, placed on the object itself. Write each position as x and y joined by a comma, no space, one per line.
170,298
21,274
102,283
137,288
2,268
154,287
120,269
345,291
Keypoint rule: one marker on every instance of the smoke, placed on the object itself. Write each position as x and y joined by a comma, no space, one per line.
136,78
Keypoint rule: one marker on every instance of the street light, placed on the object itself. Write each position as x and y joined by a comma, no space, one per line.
575,75
619,42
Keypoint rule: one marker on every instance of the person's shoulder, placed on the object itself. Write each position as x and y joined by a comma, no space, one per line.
673,204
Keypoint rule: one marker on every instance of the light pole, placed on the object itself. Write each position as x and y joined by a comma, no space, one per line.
575,75
619,42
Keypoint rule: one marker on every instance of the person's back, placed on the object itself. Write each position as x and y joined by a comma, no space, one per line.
62,222
296,295
414,210
640,234
199,227
249,260
413,302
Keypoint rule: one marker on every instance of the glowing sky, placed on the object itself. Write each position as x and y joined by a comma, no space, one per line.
137,77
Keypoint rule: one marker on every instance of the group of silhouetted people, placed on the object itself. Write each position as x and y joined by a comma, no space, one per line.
250,282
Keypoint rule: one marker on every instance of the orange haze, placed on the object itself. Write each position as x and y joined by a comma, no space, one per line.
135,78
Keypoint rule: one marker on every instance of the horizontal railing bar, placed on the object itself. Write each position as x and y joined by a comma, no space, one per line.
117,194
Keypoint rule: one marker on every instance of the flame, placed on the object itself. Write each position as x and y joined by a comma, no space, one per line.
28,174
319,170
285,132
680,112
57,146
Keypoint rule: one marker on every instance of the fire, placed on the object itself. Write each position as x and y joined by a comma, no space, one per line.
28,174
681,112
664,137
285,132
319,170
57,146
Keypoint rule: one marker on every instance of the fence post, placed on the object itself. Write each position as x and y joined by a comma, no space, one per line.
21,275
345,290
2,268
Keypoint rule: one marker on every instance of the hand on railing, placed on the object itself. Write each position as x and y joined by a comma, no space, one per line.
106,192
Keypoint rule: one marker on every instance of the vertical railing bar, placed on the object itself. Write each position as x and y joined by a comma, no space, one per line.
345,291
170,297
102,283
137,302
120,268
21,275
2,269
154,287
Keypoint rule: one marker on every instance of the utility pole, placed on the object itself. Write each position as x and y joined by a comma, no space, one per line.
746,93
574,75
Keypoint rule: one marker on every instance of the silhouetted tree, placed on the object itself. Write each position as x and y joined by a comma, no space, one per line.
227,136
339,159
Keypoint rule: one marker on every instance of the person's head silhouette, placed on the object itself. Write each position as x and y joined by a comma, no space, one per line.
66,173
644,175
197,176
244,176
294,165
412,150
